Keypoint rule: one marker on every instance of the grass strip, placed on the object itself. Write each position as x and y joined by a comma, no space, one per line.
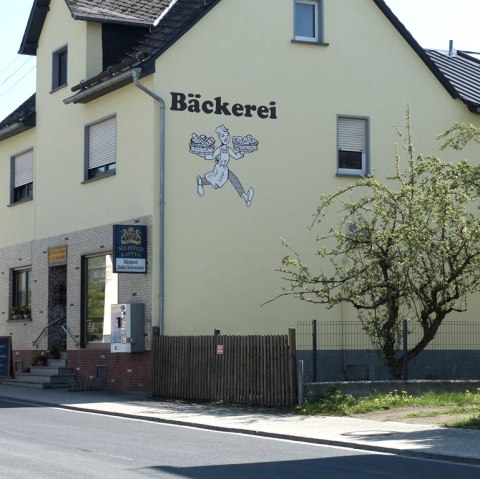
336,403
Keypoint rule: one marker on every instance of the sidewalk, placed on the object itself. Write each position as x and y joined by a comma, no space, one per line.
432,442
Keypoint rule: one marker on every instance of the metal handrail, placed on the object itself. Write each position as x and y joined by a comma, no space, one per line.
45,328
77,344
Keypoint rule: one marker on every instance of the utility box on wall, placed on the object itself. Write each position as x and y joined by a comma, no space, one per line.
128,328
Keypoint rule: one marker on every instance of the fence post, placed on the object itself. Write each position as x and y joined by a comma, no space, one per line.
300,381
292,366
314,351
217,368
405,350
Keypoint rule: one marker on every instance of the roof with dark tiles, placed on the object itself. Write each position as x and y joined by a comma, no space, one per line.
459,74
23,118
462,70
182,15
139,13
123,11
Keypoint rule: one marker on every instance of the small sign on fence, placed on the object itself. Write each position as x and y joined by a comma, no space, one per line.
220,349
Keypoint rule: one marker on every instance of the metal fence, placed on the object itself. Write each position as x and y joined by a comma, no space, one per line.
342,351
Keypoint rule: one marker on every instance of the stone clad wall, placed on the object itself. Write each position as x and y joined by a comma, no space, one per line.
133,288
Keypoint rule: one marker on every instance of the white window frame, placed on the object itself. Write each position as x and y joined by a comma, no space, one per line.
101,148
353,134
317,19
21,175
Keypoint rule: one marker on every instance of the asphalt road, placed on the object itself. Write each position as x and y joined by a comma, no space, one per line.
46,442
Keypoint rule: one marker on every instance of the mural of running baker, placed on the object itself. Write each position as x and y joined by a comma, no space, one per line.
205,147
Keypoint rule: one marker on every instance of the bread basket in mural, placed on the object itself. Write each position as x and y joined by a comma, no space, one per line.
202,145
245,144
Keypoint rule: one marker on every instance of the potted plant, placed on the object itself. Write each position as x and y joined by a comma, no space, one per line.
14,313
53,352
26,311
39,360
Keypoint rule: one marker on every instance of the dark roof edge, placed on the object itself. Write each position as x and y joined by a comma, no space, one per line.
24,114
35,22
37,17
22,119
468,56
147,67
14,129
416,47
183,31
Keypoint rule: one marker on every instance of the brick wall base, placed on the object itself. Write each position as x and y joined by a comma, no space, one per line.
119,372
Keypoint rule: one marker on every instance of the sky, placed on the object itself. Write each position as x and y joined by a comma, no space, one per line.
432,22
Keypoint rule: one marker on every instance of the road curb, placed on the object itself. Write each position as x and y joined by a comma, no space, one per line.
229,429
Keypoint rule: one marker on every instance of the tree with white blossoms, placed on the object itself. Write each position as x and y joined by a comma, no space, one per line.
404,248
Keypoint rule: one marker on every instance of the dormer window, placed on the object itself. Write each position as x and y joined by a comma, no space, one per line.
59,68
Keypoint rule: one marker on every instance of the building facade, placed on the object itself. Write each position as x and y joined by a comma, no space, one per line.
215,125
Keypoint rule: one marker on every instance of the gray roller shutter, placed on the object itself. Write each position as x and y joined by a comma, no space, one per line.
23,169
352,134
102,143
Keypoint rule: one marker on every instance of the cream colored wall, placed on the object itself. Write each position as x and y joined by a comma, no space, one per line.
94,58
18,222
221,254
63,203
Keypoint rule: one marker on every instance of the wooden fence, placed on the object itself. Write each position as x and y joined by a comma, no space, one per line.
258,370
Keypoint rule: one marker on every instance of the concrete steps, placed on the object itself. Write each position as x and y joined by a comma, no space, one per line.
56,374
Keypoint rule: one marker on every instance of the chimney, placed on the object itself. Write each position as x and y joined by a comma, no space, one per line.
450,49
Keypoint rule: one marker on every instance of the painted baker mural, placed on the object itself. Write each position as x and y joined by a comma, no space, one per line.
204,146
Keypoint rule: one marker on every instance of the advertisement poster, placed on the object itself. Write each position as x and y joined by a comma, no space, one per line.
129,249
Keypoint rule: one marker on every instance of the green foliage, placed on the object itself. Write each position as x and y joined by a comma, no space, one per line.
332,402
336,403
467,423
38,359
459,135
407,247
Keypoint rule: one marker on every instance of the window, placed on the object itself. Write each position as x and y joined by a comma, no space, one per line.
101,148
59,68
100,291
352,141
21,292
308,21
21,177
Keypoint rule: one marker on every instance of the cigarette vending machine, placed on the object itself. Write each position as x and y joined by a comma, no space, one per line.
128,328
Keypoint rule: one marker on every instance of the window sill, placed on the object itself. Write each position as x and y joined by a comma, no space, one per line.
59,87
19,202
312,42
353,175
100,177
20,320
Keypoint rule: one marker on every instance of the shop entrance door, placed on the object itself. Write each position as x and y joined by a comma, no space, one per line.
57,306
